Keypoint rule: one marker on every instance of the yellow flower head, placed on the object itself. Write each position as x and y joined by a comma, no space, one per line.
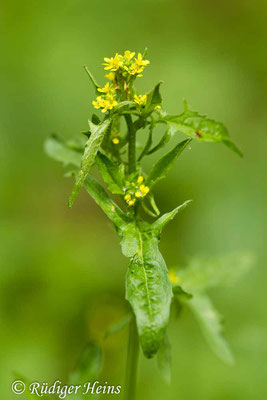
140,99
116,140
105,103
110,76
131,202
140,179
107,88
109,103
98,103
173,277
144,190
140,62
113,63
129,55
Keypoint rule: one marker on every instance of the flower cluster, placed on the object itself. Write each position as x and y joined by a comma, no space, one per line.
140,99
127,63
122,71
135,190
107,100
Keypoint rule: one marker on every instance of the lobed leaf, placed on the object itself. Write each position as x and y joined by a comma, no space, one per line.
200,127
164,164
92,146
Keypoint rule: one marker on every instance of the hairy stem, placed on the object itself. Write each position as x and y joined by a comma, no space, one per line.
132,361
131,145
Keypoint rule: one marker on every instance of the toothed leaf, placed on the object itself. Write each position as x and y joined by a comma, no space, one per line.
148,288
200,127
92,146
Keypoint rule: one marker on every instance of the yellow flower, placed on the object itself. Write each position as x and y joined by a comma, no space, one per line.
110,76
105,104
129,55
173,277
158,107
134,69
113,63
140,62
105,89
116,140
131,202
98,103
144,190
108,104
140,179
140,100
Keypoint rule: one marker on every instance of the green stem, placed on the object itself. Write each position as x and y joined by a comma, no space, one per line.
131,145
132,361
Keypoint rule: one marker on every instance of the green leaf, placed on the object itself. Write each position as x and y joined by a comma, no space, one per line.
153,99
89,365
111,173
95,119
211,326
200,127
164,164
164,140
164,359
59,151
206,272
91,149
158,225
96,191
117,327
148,288
92,79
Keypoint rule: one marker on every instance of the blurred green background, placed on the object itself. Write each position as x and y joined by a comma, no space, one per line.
62,274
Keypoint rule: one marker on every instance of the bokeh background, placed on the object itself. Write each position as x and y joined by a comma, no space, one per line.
62,274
